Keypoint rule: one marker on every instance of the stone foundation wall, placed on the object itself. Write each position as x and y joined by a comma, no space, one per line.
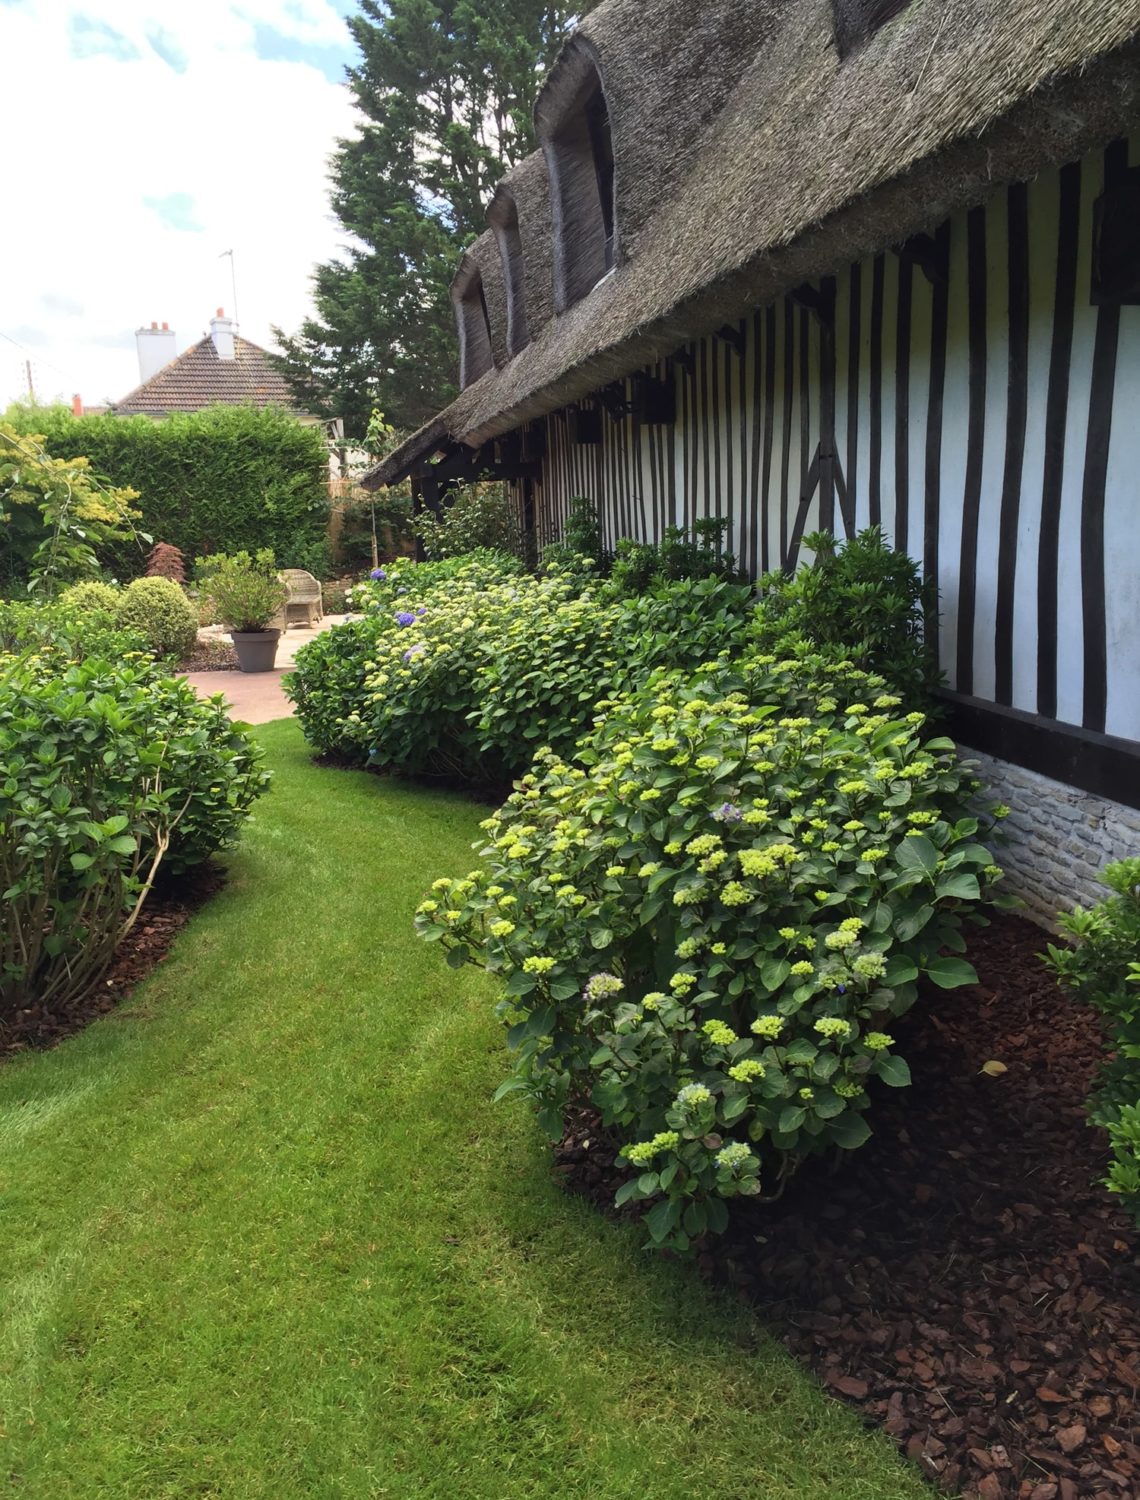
1058,839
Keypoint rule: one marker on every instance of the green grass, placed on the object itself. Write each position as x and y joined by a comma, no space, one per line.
264,1236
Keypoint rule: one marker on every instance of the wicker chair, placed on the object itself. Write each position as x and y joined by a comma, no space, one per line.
304,601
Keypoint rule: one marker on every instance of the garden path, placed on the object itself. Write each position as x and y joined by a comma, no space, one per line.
258,697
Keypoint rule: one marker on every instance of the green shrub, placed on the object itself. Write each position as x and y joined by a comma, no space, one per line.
1103,969
111,772
67,632
480,517
391,513
226,479
340,713
864,601
159,608
244,590
92,597
580,548
709,922
554,659
641,566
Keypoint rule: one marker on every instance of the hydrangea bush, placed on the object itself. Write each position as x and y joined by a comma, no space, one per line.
111,772
552,663
1103,969
710,922
465,669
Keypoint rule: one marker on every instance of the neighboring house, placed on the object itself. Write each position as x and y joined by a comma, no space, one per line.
222,368
829,263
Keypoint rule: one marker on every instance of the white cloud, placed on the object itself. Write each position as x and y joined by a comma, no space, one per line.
144,138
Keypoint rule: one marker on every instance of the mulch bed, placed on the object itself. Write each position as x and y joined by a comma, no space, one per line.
211,656
960,1280
170,907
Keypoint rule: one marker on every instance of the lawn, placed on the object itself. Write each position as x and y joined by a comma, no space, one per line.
265,1235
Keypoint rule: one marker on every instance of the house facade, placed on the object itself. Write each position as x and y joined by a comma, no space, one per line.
890,275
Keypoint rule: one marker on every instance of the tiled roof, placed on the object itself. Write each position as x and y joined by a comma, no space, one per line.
199,378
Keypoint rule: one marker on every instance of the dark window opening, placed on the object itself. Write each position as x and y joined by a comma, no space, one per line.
856,21
1116,243
602,148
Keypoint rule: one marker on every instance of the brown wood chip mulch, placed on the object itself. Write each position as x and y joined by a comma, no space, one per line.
170,907
960,1280
210,656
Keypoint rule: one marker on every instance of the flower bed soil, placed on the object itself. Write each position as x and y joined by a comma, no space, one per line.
170,907
210,655
960,1280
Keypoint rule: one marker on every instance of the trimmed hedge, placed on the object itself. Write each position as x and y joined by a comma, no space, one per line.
227,479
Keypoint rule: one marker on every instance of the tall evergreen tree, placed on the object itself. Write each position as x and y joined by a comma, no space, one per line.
445,91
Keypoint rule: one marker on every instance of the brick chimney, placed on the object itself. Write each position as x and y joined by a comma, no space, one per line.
222,333
77,406
156,348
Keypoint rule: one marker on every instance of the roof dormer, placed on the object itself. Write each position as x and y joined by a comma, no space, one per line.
573,121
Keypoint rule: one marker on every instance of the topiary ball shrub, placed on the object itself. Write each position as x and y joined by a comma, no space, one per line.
92,598
1103,969
112,772
159,608
708,922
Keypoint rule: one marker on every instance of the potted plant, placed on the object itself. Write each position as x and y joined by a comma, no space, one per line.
247,594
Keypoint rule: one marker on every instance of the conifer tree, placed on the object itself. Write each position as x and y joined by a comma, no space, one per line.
445,91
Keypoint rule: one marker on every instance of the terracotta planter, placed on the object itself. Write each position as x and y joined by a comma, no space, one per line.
256,649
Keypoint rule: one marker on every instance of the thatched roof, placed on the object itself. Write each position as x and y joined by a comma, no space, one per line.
808,162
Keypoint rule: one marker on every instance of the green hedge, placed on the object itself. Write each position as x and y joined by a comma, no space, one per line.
227,479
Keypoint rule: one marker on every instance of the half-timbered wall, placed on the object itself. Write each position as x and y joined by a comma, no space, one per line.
986,414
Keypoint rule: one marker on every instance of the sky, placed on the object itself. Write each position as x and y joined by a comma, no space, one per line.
144,138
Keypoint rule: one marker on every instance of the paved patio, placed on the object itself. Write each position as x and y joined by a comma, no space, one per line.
258,697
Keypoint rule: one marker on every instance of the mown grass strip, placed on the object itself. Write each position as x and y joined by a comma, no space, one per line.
265,1235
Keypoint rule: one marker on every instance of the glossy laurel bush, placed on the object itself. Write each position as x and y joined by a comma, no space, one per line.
710,920
111,772
1103,968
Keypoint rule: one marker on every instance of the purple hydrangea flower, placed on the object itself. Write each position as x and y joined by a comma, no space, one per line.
378,574
728,812
421,609
413,651
405,617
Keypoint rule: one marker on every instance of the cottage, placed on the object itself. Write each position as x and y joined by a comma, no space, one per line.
830,263
221,369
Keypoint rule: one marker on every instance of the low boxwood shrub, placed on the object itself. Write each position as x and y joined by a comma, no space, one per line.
92,597
159,608
1103,968
710,920
111,773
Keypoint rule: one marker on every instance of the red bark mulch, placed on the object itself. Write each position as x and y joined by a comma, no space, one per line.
170,907
961,1280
